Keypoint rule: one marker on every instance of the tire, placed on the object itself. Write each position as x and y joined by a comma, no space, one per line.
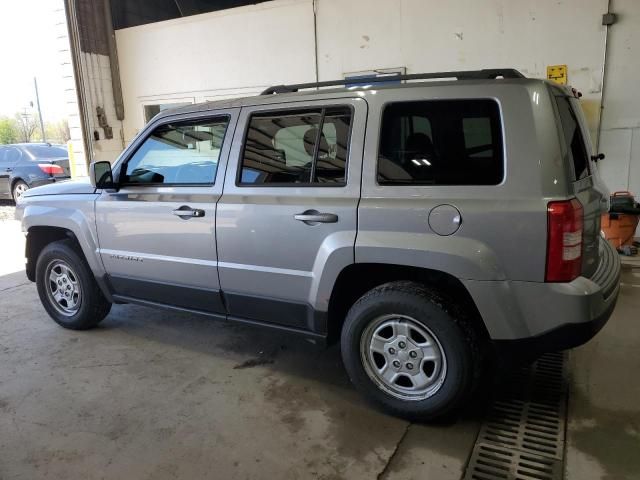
82,305
19,187
447,362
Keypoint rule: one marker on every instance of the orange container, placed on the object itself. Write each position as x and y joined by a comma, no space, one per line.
619,228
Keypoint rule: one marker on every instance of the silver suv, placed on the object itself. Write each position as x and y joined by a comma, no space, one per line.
426,225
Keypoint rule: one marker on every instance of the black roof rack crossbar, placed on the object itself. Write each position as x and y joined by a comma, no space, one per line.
487,74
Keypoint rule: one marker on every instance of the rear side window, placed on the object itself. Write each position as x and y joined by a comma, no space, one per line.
179,153
573,138
441,142
297,147
12,155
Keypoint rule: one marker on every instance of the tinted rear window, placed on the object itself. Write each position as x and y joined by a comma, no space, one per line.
43,151
441,142
573,138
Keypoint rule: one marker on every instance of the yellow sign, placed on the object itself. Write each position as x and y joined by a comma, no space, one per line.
557,73
72,160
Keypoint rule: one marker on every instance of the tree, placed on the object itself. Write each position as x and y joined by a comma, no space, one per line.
63,133
8,133
57,132
26,126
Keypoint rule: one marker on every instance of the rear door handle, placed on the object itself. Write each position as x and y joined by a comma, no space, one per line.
313,217
9,169
185,212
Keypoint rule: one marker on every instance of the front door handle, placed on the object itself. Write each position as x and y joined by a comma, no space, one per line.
313,217
9,169
185,212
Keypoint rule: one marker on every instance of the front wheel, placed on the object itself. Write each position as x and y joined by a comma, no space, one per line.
67,289
410,351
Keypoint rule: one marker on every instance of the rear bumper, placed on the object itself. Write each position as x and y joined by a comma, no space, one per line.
566,336
542,317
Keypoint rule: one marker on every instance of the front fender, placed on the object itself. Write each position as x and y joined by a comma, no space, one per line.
71,212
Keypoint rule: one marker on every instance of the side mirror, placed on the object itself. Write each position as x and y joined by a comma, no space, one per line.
101,175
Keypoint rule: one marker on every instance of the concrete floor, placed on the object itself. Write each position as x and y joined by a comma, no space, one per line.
154,394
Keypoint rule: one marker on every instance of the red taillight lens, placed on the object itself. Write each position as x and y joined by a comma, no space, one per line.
564,240
50,168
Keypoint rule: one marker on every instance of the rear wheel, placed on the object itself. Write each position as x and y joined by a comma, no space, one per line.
410,351
18,190
67,289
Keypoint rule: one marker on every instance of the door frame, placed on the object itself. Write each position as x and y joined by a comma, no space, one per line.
309,304
154,292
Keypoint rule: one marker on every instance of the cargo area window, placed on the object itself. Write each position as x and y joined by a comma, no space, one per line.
573,138
302,147
180,153
441,142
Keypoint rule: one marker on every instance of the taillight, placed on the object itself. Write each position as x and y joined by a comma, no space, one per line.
564,240
50,168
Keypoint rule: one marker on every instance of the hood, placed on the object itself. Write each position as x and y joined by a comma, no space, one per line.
70,187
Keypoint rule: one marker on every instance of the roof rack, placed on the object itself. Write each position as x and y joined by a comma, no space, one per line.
487,74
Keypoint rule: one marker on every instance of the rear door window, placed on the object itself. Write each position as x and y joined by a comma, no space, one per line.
441,142
301,147
573,138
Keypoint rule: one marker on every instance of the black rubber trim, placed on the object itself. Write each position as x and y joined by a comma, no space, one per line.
316,338
192,298
295,315
564,337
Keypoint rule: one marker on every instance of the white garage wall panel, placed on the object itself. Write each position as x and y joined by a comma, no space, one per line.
620,137
427,36
215,55
240,51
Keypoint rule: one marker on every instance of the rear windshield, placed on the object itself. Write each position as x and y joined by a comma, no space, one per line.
573,138
45,151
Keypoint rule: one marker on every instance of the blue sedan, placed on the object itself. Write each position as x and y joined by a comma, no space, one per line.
27,165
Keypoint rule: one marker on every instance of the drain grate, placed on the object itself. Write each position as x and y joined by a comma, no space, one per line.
490,462
523,434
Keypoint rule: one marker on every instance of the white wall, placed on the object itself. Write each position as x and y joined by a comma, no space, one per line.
620,137
215,55
427,36
240,51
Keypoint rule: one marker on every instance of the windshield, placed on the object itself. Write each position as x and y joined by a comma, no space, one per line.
46,151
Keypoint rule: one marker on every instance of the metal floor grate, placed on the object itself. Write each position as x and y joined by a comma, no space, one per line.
523,434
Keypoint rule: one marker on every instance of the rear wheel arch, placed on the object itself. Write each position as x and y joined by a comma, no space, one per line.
357,279
14,182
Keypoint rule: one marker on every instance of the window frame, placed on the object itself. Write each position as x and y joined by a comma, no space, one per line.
123,165
556,94
500,122
297,108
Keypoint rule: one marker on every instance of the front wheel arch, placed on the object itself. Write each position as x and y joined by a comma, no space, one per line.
38,238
